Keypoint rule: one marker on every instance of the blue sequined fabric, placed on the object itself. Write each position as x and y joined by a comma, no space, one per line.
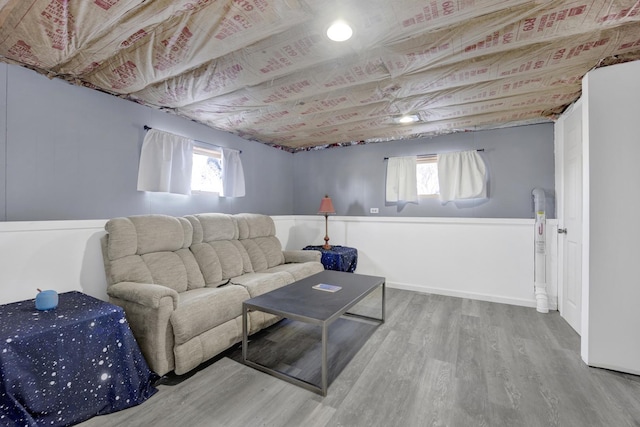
339,258
63,366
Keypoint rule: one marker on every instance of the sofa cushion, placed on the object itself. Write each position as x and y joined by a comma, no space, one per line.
257,233
167,269
129,269
123,239
206,345
230,258
195,279
209,264
216,248
260,283
152,249
272,250
211,227
254,225
247,267
264,252
298,270
156,233
202,309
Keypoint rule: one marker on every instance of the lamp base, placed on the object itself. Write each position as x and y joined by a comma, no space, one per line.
326,245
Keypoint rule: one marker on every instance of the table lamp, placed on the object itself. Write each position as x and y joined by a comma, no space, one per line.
326,208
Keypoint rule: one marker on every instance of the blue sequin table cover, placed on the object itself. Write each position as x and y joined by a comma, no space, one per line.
339,258
63,366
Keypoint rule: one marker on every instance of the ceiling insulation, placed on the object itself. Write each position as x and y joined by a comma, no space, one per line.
265,70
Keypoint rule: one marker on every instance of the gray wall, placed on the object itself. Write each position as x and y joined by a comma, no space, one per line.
3,141
68,152
73,152
518,159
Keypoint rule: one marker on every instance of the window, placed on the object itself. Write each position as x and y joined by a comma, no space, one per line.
206,175
427,176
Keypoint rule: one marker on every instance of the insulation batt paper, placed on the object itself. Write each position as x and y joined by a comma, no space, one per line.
263,69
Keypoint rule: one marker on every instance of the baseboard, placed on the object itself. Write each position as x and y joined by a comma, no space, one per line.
470,295
616,368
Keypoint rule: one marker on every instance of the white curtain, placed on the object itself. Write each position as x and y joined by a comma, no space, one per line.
165,163
402,184
232,174
462,175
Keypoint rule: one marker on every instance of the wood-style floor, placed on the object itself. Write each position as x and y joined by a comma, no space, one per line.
437,361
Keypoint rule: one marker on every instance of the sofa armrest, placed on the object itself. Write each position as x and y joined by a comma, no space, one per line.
145,294
148,309
301,256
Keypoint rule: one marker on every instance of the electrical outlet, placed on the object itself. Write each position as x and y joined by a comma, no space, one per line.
373,210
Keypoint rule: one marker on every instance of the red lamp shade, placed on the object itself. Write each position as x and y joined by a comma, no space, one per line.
326,208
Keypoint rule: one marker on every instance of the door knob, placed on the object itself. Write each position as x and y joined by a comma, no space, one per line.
562,231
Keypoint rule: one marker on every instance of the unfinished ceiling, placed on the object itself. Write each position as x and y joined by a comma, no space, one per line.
265,70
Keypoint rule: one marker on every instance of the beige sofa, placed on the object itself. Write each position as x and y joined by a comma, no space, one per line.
182,280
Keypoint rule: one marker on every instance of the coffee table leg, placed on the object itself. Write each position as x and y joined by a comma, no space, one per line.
245,333
384,286
325,336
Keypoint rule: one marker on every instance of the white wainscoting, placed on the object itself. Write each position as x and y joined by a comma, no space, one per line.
60,255
486,259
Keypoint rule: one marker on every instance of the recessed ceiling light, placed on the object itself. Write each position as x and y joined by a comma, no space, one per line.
410,118
339,31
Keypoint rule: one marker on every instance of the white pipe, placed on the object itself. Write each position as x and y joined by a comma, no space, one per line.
542,300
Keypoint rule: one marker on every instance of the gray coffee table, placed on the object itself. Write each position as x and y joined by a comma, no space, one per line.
299,301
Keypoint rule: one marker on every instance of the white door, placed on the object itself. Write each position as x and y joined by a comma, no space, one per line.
571,303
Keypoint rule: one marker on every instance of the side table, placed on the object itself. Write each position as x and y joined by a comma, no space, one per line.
339,258
63,366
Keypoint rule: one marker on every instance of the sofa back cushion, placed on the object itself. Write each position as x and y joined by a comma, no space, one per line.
216,247
152,249
257,233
